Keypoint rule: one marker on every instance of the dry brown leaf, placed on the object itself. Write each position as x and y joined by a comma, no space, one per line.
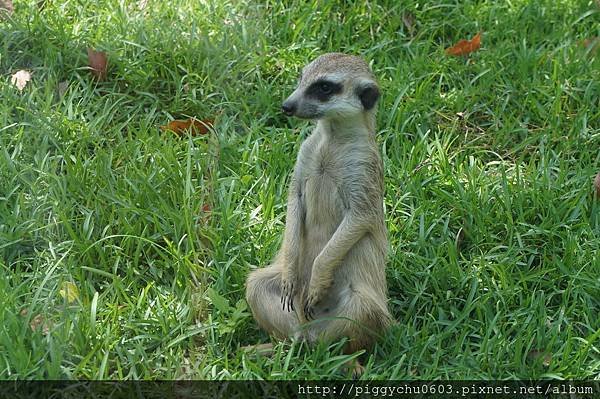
597,185
6,7
98,62
62,88
20,79
592,43
259,349
460,238
535,354
205,212
464,47
194,126
38,323
408,19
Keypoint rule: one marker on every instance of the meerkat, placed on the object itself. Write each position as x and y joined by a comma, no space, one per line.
328,279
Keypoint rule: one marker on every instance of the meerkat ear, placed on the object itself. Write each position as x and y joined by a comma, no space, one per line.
368,94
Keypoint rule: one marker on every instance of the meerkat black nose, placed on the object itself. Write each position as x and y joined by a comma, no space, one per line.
288,108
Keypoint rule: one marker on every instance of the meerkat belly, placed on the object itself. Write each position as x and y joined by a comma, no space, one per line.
324,207
324,213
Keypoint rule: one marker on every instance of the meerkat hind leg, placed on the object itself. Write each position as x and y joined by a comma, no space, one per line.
360,318
263,294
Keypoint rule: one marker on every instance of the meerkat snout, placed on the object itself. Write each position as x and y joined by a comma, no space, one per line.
288,108
333,86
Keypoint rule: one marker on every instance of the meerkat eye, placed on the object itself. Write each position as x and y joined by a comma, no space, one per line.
325,88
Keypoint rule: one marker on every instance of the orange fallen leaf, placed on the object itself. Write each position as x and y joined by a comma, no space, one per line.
464,47
20,79
194,126
98,62
6,7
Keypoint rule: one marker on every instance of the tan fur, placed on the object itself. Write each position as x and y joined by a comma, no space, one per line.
331,264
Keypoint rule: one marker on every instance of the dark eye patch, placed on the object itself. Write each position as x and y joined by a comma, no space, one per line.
323,89
368,96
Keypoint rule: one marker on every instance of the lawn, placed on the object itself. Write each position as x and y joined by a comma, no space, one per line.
124,248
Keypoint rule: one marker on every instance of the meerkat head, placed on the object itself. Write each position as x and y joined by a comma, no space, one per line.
333,86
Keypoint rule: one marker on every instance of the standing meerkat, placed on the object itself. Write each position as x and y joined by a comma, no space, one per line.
328,279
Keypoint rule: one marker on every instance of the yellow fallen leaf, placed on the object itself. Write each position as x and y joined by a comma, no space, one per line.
69,291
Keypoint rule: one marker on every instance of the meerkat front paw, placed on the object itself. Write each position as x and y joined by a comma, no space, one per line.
287,293
357,369
312,300
317,289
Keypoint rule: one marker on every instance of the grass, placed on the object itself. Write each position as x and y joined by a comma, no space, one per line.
494,266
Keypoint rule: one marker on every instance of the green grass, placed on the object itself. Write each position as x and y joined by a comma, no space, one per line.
495,233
